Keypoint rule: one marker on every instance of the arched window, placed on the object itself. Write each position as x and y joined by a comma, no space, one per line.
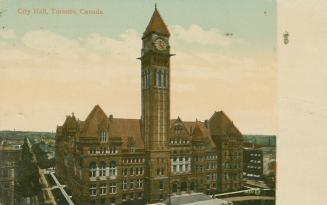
162,76
92,169
102,169
159,78
104,136
184,186
167,78
112,168
132,148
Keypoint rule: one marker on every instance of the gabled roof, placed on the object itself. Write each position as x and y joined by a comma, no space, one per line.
201,130
70,121
197,133
91,125
126,128
220,124
157,25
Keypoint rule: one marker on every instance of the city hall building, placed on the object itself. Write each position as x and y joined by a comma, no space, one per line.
109,160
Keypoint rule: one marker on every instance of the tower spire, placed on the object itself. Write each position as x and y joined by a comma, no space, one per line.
156,24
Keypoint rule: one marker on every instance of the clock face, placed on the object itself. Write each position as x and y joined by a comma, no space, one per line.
160,44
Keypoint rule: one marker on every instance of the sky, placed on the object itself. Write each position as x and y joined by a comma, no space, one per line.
53,65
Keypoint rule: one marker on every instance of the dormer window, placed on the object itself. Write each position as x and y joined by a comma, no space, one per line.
104,136
131,144
132,148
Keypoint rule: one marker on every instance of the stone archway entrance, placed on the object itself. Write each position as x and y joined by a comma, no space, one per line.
193,186
184,186
174,189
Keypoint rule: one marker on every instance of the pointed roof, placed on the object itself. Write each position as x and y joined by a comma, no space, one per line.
197,133
220,124
156,24
92,122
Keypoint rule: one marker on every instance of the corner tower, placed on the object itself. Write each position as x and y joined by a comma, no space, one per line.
155,70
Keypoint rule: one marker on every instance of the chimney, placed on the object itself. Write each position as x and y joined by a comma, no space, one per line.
111,117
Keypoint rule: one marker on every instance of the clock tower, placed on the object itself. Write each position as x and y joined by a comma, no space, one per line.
155,71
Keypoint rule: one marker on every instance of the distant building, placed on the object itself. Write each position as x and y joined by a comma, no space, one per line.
107,160
269,165
260,140
253,163
9,155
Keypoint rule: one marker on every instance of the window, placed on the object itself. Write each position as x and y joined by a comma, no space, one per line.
103,136
92,150
92,169
139,195
103,189
112,149
102,150
112,201
139,183
132,148
131,171
113,188
161,185
125,171
93,190
102,169
174,168
159,80
125,184
131,184
112,168
162,76
124,197
141,170
165,79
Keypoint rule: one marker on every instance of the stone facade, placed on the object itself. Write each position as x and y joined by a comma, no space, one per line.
108,160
